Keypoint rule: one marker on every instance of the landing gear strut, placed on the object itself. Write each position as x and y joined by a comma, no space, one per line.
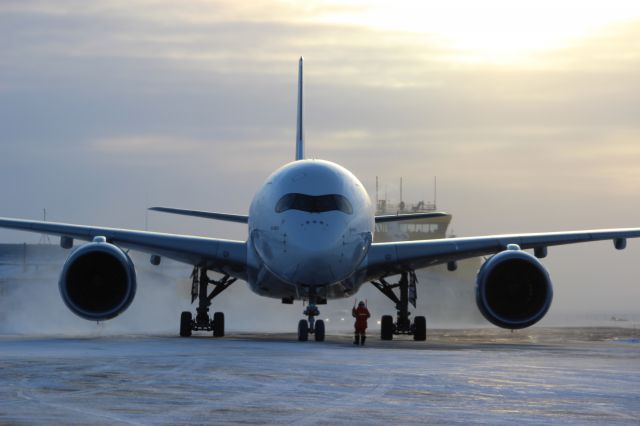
311,325
199,288
407,293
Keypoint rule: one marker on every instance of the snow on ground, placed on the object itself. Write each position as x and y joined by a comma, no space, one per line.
466,377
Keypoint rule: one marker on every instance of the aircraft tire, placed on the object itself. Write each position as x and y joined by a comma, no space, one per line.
319,331
218,324
420,329
303,330
185,324
386,327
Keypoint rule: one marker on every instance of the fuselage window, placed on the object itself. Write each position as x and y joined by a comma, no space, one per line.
314,203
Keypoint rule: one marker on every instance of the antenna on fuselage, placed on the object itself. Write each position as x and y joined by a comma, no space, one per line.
299,116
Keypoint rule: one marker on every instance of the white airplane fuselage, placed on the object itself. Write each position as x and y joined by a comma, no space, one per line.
310,227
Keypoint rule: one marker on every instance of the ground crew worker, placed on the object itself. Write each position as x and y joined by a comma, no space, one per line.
361,314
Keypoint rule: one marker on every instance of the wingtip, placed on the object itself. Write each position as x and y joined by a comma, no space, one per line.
301,59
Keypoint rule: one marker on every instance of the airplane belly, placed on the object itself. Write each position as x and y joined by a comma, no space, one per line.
265,283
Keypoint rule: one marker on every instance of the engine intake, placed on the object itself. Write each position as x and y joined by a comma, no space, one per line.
513,290
98,281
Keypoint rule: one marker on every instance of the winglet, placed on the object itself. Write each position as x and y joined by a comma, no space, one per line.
300,118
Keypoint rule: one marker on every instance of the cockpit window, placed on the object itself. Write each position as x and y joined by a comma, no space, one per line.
314,203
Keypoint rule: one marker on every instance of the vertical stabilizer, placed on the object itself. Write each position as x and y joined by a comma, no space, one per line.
300,117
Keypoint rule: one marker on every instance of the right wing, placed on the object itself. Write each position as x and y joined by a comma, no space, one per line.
207,215
401,256
224,256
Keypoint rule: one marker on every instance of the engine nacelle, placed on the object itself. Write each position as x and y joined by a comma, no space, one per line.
98,281
513,289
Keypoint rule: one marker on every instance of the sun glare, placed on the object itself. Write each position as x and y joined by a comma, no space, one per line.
495,31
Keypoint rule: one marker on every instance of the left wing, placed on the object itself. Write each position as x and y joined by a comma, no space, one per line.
407,216
390,258
225,256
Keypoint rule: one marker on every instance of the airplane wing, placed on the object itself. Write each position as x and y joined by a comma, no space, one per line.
407,216
207,215
394,257
224,256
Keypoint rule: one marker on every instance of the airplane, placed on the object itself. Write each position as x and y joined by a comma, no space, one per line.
310,238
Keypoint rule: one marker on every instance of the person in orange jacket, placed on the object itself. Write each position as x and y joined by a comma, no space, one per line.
361,314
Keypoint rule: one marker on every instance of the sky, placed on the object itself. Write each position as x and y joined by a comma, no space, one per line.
527,112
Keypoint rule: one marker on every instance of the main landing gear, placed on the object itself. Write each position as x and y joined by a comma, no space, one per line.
199,287
311,325
407,293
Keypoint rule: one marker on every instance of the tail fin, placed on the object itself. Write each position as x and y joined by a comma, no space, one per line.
300,118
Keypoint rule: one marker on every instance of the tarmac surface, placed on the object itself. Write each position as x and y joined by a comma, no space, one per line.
477,376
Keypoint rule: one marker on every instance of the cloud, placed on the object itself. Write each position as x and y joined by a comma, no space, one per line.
145,145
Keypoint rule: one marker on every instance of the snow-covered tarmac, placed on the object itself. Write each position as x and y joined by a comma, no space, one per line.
540,376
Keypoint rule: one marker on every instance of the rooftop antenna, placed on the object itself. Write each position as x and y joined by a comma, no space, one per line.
146,212
435,192
401,205
44,238
377,188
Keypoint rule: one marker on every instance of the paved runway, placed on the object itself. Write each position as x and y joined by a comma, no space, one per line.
485,376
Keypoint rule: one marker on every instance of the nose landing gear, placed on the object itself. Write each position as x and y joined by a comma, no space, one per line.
199,287
407,294
311,325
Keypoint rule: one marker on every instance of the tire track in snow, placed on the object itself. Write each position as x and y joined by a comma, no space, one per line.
354,402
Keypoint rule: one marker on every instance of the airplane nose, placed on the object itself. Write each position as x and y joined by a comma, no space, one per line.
322,253
315,252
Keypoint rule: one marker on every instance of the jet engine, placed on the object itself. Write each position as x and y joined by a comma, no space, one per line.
98,281
513,289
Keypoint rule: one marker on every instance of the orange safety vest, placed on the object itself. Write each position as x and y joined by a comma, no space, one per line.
361,314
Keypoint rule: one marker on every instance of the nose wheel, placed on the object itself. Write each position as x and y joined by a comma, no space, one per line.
199,287
311,325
